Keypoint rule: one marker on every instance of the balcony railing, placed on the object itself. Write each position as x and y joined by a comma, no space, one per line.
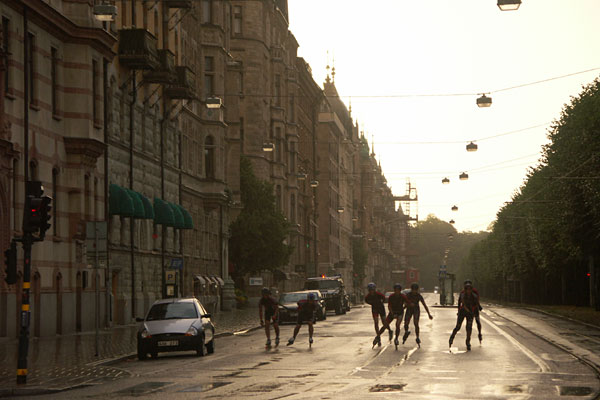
165,73
184,86
137,49
178,3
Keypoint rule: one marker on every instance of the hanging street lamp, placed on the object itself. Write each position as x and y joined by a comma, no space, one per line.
301,176
268,147
105,12
445,181
509,5
471,147
484,101
464,176
452,222
340,209
314,183
454,208
213,102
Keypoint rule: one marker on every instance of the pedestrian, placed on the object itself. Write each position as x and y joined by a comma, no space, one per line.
468,302
397,302
414,311
306,314
271,315
477,310
377,300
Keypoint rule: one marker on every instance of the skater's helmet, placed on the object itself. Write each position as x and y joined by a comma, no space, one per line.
311,296
397,286
414,286
468,285
468,282
371,286
265,290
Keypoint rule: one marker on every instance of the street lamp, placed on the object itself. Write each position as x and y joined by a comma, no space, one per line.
314,183
268,147
509,5
213,102
452,222
105,12
354,218
454,208
445,181
340,209
471,147
464,176
301,176
484,101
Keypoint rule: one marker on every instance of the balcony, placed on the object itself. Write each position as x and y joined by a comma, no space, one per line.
184,85
186,4
165,73
137,49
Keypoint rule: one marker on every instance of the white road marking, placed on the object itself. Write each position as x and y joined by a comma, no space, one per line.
543,366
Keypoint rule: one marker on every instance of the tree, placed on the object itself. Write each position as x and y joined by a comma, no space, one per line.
258,235
360,257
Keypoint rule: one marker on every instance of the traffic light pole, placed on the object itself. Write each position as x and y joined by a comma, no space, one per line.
25,312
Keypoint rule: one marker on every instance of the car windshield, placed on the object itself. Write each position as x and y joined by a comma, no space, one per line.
292,297
325,284
172,311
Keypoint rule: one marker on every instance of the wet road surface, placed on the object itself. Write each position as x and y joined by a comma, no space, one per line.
511,363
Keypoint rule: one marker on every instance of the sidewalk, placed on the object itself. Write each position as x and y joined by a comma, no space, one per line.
61,362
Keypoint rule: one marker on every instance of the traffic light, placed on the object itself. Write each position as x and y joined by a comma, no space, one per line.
37,214
11,264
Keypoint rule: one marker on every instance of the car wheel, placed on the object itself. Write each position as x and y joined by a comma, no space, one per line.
141,353
200,348
338,309
154,355
210,347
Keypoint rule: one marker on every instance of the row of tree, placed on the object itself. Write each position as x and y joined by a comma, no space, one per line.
543,244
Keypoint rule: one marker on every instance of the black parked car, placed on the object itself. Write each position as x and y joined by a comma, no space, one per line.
288,306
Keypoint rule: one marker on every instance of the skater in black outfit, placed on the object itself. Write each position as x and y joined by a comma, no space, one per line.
377,300
397,302
414,311
306,314
271,315
477,311
468,302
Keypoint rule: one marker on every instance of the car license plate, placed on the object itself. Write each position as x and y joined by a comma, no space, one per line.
168,343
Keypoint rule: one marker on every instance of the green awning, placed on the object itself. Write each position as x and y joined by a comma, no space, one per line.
188,222
163,213
178,216
119,201
138,206
148,209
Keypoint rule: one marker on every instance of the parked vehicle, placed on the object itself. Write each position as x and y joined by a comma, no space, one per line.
333,290
175,325
387,296
288,306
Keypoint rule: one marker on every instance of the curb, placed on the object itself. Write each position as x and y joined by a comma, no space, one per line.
561,317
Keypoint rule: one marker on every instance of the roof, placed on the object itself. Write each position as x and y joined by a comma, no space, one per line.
175,300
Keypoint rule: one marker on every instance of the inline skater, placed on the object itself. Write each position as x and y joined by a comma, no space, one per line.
271,315
413,310
306,314
468,302
397,302
377,300
479,308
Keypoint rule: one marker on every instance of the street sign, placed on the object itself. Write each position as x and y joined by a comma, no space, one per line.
176,263
257,281
170,277
443,271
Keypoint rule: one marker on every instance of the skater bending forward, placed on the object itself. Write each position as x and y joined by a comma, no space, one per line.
413,311
306,314
468,303
271,315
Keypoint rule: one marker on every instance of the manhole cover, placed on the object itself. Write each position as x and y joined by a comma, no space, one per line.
575,390
143,388
205,387
388,388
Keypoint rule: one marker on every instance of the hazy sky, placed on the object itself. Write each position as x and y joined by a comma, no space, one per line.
401,47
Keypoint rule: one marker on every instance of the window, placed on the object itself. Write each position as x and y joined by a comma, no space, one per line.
33,170
292,157
209,71
156,23
242,134
54,80
241,83
279,145
6,47
31,67
54,202
293,208
95,92
206,11
237,20
278,197
209,157
278,90
292,111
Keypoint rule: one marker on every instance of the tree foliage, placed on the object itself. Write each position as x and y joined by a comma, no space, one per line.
542,241
258,235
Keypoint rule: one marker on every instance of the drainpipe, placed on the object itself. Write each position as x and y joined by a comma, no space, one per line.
131,139
107,308
316,203
166,110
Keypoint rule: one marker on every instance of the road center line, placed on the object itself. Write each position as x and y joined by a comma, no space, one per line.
543,366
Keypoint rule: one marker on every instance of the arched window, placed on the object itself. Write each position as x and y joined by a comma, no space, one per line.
209,157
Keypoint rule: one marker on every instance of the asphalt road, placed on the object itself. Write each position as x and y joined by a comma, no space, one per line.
511,363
